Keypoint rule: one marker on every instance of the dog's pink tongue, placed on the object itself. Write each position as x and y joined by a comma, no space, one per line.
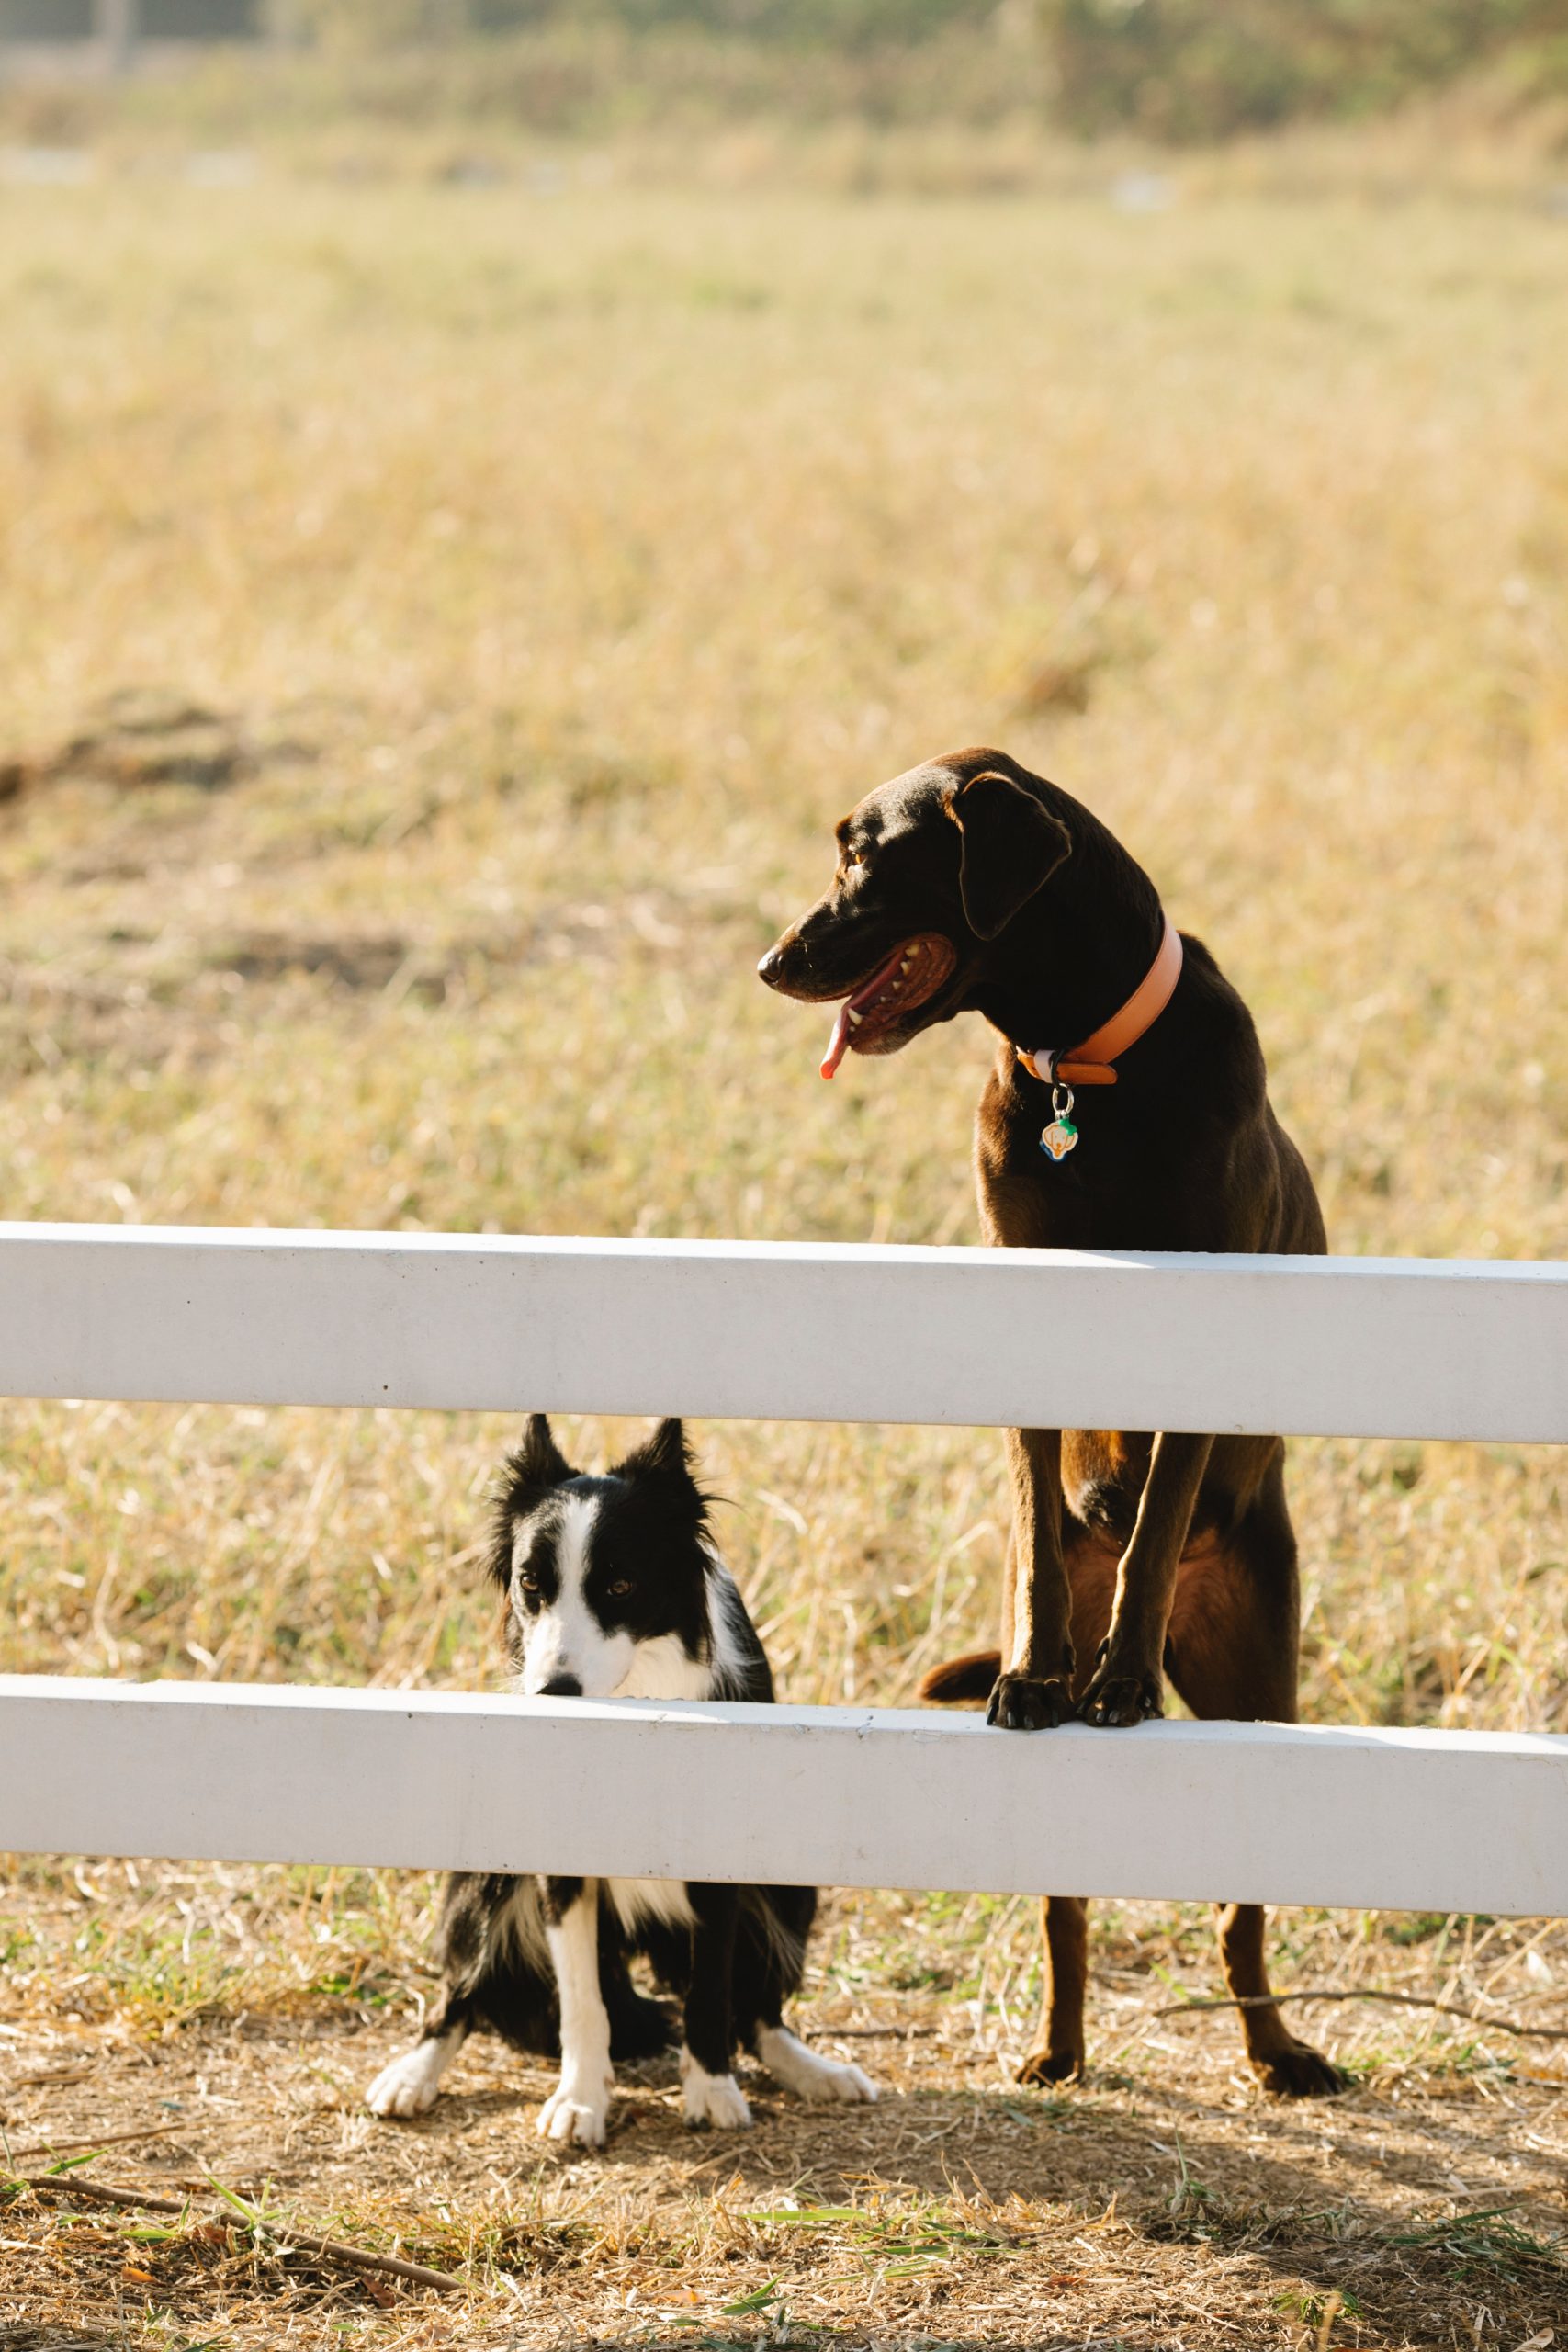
839,1042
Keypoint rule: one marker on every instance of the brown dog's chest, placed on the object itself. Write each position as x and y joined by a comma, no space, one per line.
1126,1184
1107,1194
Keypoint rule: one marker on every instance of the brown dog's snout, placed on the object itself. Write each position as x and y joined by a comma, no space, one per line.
788,964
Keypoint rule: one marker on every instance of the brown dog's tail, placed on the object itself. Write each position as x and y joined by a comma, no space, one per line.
971,1676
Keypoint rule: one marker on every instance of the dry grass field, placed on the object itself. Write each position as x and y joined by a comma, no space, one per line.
437,625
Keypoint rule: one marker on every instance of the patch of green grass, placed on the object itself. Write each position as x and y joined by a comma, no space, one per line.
1312,2305
1419,1926
1484,2240
902,2243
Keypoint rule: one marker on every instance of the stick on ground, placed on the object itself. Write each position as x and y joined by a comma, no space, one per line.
100,2140
1395,2000
289,2239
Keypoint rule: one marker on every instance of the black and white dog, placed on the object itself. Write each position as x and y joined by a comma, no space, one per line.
615,1589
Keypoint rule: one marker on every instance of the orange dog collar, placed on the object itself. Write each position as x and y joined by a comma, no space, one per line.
1092,1063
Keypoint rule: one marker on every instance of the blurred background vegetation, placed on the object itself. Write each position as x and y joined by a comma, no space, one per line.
1179,71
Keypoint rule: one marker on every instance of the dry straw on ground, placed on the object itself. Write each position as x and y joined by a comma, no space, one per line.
436,627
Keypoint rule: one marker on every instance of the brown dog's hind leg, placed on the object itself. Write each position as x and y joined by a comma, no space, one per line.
1058,2057
1292,2068
1060,2048
1234,1633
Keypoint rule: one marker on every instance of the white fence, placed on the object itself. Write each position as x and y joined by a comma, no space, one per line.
1392,1819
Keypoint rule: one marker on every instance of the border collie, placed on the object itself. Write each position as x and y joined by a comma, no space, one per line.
613,1589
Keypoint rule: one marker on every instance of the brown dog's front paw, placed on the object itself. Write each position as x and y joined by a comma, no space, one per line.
1118,1695
1043,2066
1298,2072
1021,1703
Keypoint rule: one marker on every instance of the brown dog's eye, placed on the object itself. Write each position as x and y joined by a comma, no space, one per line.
620,1589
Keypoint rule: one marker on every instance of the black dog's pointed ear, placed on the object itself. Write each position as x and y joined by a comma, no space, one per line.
663,1462
538,1460
1010,845
665,1454
526,1476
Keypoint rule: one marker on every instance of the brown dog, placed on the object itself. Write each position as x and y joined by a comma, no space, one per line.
970,885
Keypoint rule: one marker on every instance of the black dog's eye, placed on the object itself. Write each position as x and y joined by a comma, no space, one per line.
528,1587
620,1589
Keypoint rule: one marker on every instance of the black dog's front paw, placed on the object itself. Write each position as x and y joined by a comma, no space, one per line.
1021,1703
1121,1694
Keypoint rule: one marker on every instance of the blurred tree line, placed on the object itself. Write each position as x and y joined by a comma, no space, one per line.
1179,70
792,23
1199,69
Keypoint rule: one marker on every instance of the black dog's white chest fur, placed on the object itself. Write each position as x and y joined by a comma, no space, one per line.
613,1589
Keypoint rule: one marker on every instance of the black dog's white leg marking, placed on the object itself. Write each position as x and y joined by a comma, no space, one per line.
409,2086
709,2092
718,2100
579,2106
807,2074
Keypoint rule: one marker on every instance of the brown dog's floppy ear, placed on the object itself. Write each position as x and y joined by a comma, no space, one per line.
1010,845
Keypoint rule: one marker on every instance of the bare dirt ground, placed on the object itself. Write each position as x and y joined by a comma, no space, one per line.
1163,2203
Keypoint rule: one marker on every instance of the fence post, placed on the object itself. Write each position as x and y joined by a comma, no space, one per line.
119,25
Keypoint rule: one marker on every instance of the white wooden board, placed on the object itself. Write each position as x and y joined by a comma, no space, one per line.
778,1332
831,1797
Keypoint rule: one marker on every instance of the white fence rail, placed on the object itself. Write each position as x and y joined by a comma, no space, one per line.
1345,1347
1353,1347
1386,1820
